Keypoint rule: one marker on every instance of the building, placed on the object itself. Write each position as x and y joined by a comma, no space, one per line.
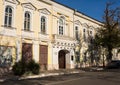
43,30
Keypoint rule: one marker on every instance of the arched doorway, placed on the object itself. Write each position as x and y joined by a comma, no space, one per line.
62,59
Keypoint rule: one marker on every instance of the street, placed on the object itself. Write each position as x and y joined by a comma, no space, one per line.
86,78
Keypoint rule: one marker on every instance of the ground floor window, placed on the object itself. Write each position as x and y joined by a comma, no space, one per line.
5,55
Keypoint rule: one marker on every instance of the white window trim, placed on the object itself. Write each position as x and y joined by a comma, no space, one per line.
44,12
31,18
67,29
76,25
92,29
86,35
46,17
30,8
85,30
13,12
64,26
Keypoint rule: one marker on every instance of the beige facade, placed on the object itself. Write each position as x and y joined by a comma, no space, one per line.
47,28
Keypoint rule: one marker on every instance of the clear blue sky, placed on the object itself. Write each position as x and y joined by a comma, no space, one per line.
92,8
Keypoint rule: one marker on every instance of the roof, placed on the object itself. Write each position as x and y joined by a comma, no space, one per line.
75,10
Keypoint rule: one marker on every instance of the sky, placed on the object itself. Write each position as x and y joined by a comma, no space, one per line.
92,8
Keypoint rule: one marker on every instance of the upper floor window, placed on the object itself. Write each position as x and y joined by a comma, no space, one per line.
27,23
8,16
43,24
76,33
84,34
91,37
90,32
61,24
84,30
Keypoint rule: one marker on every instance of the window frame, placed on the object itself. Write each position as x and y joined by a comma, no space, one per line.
61,26
27,21
77,32
13,6
84,34
28,8
43,25
47,20
6,57
8,16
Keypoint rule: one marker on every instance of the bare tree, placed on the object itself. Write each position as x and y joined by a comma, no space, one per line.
108,36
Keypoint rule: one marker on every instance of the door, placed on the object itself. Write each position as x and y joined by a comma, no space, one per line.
62,60
43,57
26,52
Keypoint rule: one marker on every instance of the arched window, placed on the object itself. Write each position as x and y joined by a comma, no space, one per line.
27,23
76,33
8,16
84,34
61,25
43,24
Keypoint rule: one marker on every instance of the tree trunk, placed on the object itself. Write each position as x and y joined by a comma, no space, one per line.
109,57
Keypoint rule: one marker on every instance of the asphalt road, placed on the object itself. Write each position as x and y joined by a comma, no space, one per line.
86,78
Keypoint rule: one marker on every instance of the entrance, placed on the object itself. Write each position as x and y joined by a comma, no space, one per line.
43,57
62,59
26,52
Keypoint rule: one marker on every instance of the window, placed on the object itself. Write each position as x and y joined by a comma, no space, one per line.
76,33
72,58
8,16
91,38
84,30
90,32
5,55
43,24
27,21
84,34
61,22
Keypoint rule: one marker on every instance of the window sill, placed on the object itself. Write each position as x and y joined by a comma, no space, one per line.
8,27
27,31
43,33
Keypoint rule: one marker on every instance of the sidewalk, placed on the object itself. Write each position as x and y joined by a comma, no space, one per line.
10,76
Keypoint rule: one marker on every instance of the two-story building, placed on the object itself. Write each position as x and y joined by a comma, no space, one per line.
43,30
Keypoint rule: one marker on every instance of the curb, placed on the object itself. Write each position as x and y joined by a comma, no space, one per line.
41,75
49,74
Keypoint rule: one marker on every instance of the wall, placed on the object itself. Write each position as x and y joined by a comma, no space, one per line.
52,11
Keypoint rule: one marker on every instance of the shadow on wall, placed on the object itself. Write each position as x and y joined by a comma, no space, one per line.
92,59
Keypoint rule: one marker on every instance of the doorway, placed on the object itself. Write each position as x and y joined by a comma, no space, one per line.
62,59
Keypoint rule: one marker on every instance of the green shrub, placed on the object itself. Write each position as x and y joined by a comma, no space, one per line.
30,65
18,68
33,67
36,69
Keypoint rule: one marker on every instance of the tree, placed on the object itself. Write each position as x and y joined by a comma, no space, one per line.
108,36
